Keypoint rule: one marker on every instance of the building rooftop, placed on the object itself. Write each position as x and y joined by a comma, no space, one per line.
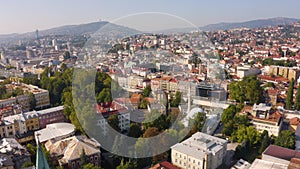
200,144
281,153
50,110
55,130
72,147
262,164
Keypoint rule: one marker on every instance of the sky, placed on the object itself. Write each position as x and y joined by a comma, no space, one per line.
19,16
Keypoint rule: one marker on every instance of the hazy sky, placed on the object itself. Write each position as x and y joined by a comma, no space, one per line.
28,15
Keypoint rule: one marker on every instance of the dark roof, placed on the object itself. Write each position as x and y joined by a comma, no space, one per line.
282,153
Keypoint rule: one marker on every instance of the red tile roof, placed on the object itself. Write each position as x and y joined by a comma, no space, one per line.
282,153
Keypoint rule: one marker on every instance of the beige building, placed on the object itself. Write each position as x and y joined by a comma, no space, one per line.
201,151
41,96
286,72
69,150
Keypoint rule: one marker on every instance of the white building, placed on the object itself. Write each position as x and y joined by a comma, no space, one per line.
244,71
201,151
108,109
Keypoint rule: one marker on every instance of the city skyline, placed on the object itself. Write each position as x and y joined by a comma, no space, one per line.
21,17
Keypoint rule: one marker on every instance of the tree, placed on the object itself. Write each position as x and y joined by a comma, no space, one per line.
175,102
144,103
127,165
151,132
27,164
286,139
90,166
247,133
113,121
198,122
265,141
147,91
135,130
289,97
228,114
2,91
104,96
297,100
32,101
248,89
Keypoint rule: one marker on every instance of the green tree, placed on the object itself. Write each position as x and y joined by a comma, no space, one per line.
135,130
228,114
90,166
289,97
248,89
144,103
198,121
104,96
265,141
297,100
147,91
286,139
127,165
2,91
247,133
176,101
27,164
113,121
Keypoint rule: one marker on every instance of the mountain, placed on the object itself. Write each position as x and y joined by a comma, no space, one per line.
250,24
94,26
67,30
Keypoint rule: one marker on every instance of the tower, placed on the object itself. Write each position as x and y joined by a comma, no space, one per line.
37,34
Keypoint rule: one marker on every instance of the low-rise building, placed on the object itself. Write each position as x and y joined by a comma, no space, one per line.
201,151
10,148
69,150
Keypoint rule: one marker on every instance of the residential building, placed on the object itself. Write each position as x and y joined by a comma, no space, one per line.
264,118
10,148
51,115
200,151
246,70
69,150
108,109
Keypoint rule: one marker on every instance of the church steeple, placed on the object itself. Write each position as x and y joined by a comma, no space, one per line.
41,161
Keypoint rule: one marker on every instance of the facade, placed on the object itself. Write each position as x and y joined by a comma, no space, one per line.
109,109
41,96
287,72
201,151
70,149
51,115
264,118
244,71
